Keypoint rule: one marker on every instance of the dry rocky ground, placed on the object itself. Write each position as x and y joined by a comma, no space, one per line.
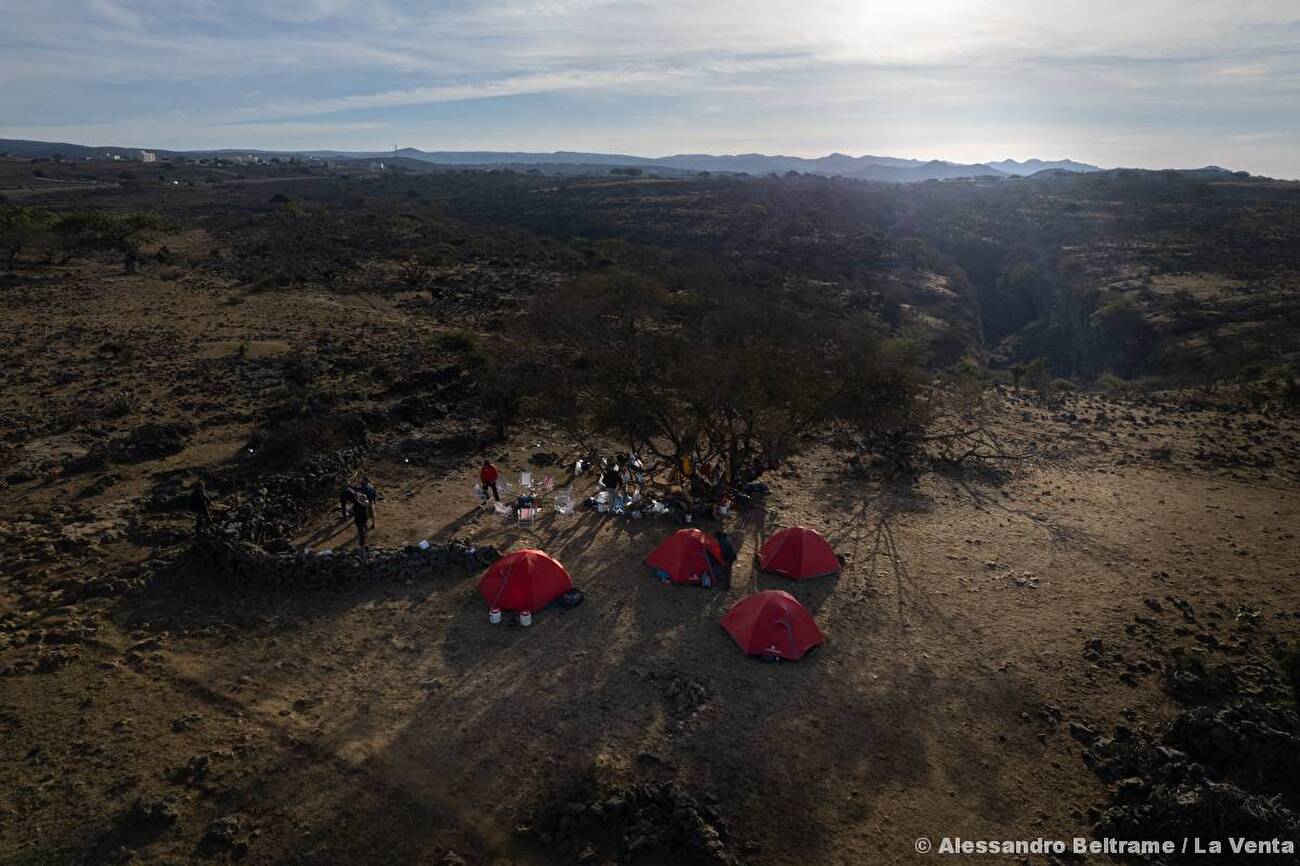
985,639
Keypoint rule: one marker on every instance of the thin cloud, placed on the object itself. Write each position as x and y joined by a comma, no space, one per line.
672,74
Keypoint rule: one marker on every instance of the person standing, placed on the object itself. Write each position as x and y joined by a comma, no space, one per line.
488,476
201,505
612,479
372,496
347,499
728,559
361,518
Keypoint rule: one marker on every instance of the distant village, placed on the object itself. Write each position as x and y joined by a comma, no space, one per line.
224,159
243,159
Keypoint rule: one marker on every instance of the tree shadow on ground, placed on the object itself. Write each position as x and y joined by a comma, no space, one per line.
867,537
1060,536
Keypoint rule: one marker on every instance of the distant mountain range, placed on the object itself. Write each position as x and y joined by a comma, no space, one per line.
881,168
886,168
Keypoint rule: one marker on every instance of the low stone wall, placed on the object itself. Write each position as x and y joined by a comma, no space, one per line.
277,507
248,564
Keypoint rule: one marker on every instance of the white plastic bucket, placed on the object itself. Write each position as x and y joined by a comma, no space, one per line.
494,616
525,618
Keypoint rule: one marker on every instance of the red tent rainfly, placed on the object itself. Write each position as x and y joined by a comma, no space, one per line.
684,555
524,580
773,623
798,553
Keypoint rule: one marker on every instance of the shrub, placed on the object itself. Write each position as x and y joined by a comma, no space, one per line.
1288,658
459,340
1034,374
1117,386
21,228
100,232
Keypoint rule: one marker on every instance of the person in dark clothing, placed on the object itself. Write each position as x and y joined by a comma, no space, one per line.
488,476
201,505
361,518
347,498
728,559
612,478
368,490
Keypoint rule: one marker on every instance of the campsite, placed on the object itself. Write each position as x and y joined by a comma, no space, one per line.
1001,620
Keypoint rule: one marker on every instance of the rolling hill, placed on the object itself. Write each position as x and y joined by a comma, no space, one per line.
867,167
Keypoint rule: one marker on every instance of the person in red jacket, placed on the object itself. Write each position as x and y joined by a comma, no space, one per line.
488,476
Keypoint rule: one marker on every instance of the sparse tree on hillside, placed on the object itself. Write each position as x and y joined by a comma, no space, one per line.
120,234
20,229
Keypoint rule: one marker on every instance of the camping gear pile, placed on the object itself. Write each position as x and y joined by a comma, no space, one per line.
624,490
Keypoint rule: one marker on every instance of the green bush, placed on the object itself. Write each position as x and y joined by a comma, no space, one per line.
460,340
1115,386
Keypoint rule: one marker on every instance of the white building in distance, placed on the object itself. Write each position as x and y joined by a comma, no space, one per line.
148,156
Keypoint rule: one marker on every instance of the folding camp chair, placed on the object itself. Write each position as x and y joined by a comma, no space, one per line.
564,505
529,515
526,482
547,485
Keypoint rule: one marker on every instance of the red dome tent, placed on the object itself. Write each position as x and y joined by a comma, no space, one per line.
524,580
798,553
684,555
773,623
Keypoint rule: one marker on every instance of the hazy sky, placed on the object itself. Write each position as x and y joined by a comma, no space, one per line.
1116,82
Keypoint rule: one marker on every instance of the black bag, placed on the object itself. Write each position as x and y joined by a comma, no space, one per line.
571,599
